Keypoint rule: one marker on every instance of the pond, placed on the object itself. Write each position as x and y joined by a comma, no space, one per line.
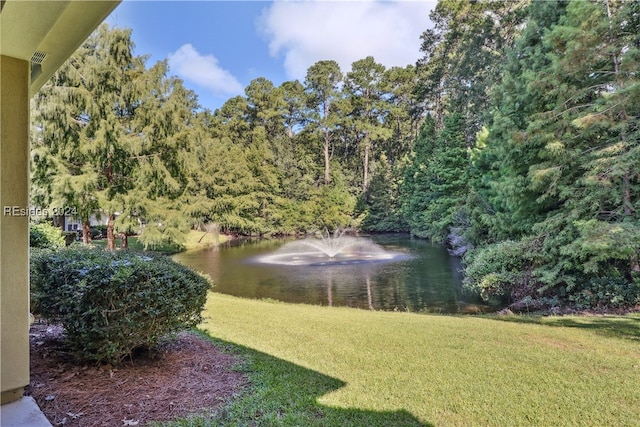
408,275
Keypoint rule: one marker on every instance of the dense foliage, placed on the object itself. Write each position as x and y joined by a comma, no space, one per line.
112,303
45,235
535,163
560,162
516,131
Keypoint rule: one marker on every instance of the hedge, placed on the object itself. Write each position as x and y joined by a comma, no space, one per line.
111,303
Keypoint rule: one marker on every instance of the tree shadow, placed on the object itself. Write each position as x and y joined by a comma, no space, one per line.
623,327
282,393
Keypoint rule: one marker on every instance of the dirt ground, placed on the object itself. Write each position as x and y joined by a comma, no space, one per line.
187,376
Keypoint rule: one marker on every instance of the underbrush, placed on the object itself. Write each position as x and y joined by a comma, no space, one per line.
515,274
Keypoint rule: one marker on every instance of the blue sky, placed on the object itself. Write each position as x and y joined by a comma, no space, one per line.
218,47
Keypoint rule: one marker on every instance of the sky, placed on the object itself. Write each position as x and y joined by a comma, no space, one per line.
217,47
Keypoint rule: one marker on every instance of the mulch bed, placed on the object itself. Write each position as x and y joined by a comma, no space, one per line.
186,376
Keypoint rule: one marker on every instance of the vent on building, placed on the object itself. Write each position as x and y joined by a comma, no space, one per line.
38,57
36,64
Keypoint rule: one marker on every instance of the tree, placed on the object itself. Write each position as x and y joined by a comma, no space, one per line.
112,135
233,181
295,104
295,161
321,83
383,208
83,115
403,111
504,204
463,54
265,105
220,188
593,128
164,126
417,178
440,180
363,87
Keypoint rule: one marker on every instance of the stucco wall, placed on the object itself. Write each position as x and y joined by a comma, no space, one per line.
14,230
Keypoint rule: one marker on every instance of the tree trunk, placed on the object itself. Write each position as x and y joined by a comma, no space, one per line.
124,241
111,237
327,175
365,179
86,233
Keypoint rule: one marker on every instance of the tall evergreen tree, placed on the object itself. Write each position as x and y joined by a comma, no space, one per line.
322,83
441,183
164,127
463,53
84,114
414,190
383,207
403,112
504,203
112,135
590,160
367,109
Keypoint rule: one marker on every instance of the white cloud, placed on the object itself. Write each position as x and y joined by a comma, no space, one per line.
204,71
345,31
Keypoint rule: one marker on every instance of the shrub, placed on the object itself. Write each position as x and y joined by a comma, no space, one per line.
69,237
45,235
111,303
504,271
607,292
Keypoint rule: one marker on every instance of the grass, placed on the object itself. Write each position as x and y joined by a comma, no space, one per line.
193,240
324,366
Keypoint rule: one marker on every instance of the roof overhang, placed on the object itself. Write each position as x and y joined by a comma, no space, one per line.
46,33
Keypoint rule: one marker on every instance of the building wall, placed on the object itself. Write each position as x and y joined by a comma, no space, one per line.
14,227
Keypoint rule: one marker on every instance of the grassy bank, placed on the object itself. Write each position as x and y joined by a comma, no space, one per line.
193,240
328,366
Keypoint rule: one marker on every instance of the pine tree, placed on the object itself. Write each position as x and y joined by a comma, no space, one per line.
418,177
321,84
591,158
449,179
164,128
403,111
504,203
463,53
363,87
383,212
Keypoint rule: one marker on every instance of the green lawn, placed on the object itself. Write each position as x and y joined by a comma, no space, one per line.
324,366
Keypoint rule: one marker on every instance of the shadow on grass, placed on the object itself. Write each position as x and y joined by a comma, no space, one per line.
624,327
284,394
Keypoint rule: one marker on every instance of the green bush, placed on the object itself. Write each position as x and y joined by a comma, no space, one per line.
111,303
45,235
607,292
514,272
505,271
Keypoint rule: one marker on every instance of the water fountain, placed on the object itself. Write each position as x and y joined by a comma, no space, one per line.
336,249
383,272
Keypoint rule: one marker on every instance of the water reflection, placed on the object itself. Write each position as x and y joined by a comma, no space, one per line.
425,279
